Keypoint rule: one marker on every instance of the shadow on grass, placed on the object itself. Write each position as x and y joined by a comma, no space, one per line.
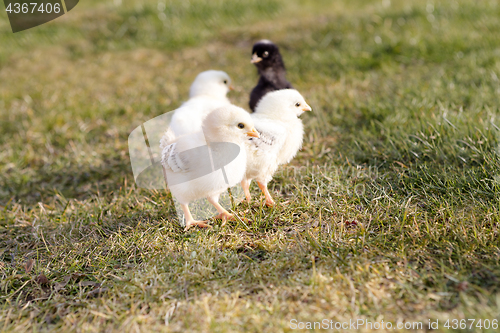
71,182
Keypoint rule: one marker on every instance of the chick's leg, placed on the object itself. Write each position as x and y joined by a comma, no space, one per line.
269,200
190,221
223,214
245,183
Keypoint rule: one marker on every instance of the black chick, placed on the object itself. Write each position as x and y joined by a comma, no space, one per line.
267,58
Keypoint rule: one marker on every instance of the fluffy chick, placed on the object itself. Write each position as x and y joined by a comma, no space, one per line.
281,132
272,74
227,124
207,93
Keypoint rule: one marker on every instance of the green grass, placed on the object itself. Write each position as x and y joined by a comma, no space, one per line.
390,212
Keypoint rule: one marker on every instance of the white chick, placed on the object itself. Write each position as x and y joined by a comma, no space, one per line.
276,118
193,173
207,93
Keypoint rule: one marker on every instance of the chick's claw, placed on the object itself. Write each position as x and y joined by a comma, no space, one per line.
270,202
225,216
201,224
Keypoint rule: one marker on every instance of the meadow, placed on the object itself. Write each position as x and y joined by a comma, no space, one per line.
389,212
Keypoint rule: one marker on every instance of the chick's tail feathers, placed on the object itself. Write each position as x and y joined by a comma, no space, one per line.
167,138
171,159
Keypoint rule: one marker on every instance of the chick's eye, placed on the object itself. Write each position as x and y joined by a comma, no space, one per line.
265,54
297,104
241,125
225,81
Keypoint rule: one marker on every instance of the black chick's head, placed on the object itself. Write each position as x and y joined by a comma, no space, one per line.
266,54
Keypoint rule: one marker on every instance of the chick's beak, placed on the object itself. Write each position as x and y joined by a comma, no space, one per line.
253,133
255,59
231,87
306,108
